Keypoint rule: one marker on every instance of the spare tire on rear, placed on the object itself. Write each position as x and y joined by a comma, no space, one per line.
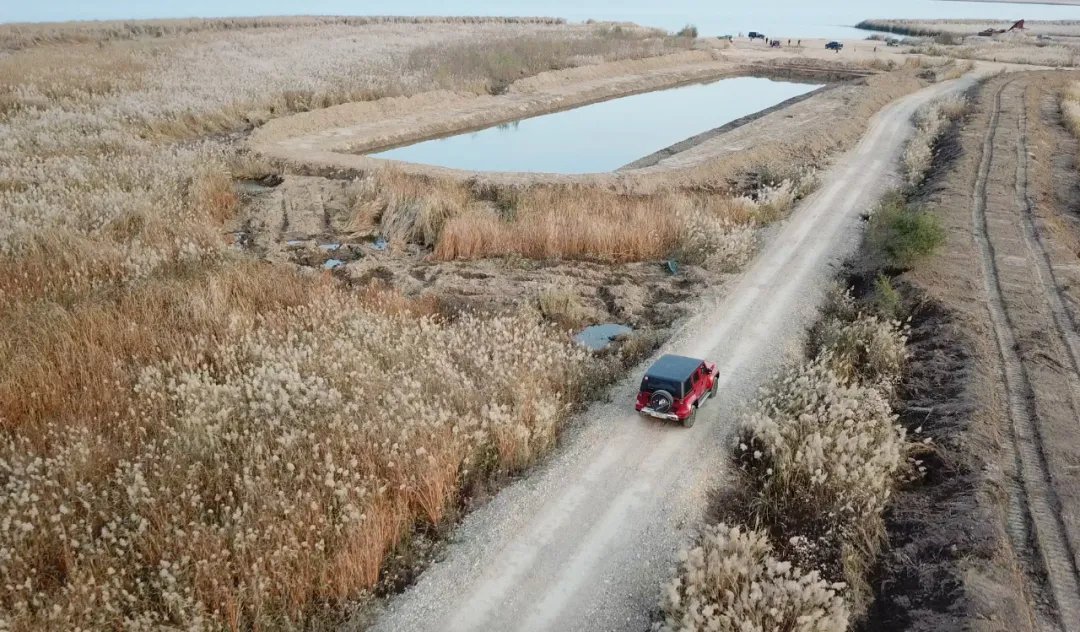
661,401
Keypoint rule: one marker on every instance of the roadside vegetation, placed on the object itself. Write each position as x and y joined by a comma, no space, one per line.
820,453
569,222
194,439
931,121
901,233
1070,107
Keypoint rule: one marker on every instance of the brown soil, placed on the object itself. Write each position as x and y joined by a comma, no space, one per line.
989,540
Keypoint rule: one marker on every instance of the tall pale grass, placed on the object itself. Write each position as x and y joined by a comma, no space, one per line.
861,347
275,467
819,454
1070,107
17,36
931,121
567,222
821,449
192,440
730,581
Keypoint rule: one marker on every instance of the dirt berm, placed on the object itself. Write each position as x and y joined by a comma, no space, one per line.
330,142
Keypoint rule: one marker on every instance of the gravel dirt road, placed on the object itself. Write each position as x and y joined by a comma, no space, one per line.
584,542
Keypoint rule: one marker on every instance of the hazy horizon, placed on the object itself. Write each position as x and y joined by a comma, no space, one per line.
795,18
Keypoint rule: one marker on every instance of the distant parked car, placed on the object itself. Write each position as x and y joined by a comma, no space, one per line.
675,387
836,46
755,35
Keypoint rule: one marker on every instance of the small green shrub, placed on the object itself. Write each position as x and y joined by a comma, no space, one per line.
901,235
887,299
948,39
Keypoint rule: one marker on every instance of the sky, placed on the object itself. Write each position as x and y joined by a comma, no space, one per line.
802,18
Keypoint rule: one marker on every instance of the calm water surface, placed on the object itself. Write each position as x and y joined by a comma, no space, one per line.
783,18
603,136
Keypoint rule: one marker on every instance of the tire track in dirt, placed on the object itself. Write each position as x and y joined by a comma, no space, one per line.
1033,495
1064,324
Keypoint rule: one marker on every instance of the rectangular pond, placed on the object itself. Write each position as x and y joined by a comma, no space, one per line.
603,136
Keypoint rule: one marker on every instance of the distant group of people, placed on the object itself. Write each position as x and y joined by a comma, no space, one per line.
773,43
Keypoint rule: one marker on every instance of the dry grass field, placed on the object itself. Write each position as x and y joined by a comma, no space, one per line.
1063,28
1041,43
194,439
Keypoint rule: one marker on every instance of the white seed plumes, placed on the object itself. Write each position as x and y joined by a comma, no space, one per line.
275,470
817,445
866,349
1070,107
820,451
931,122
731,582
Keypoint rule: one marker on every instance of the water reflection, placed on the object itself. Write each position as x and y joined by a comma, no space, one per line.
603,136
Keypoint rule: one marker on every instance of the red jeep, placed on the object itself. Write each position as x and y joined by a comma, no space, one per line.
675,387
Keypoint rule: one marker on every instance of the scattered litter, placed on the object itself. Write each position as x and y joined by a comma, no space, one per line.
672,266
600,337
329,247
239,240
294,243
380,244
333,264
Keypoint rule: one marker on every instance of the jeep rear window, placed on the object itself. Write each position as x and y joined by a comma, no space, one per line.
652,384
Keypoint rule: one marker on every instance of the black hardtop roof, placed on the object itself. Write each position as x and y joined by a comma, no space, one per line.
673,367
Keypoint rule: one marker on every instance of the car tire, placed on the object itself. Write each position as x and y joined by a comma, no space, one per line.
691,418
661,401
714,389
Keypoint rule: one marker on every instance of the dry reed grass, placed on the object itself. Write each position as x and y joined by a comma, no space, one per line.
930,28
819,453
565,221
188,439
461,222
821,450
18,36
1070,107
731,582
931,121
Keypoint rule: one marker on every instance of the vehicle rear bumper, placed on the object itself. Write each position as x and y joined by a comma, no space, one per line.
649,412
